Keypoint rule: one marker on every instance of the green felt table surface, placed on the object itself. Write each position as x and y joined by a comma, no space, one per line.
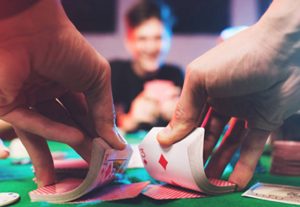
18,178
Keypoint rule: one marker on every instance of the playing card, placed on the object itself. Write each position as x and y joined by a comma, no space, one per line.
75,168
181,164
170,165
167,192
113,192
135,160
105,163
274,192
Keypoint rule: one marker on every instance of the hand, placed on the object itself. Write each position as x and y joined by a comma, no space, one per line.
143,109
165,93
54,85
253,76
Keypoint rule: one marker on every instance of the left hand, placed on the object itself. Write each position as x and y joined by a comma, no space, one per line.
53,85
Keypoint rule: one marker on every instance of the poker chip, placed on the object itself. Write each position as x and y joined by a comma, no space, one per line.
286,158
8,198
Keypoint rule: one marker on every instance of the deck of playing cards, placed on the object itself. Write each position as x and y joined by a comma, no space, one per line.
180,165
105,164
286,158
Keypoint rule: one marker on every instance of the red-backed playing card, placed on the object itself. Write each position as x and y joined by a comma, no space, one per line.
165,191
114,192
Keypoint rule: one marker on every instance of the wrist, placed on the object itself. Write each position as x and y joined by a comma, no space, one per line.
10,8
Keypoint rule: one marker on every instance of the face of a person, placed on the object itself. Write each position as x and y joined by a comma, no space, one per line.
149,44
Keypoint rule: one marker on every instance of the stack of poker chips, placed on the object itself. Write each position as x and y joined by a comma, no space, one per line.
286,158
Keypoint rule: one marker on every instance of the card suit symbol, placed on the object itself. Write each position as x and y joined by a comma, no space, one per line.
163,162
108,170
145,161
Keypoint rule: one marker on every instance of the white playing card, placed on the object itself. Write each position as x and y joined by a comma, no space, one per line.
135,160
181,164
105,163
170,165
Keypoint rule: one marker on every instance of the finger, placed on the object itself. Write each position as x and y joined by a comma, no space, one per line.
76,105
190,110
40,155
227,148
58,113
213,130
251,150
6,130
88,72
35,123
4,152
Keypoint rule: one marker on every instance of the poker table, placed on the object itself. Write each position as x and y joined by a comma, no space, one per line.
18,178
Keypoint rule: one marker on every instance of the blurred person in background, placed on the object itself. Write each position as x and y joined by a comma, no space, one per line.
145,88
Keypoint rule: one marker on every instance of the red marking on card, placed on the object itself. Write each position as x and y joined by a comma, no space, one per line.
161,192
61,187
108,170
142,152
220,183
114,192
163,162
145,162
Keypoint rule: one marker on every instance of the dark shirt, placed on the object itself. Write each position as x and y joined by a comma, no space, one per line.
126,85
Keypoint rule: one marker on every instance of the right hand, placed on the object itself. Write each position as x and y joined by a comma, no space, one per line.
253,76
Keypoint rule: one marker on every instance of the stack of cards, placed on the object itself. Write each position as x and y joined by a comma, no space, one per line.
180,165
286,158
105,164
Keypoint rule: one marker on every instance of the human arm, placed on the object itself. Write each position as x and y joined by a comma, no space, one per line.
54,85
252,76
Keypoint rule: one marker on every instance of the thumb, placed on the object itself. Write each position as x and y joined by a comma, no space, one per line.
190,110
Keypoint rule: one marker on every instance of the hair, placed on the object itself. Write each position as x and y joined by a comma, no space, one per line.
146,9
